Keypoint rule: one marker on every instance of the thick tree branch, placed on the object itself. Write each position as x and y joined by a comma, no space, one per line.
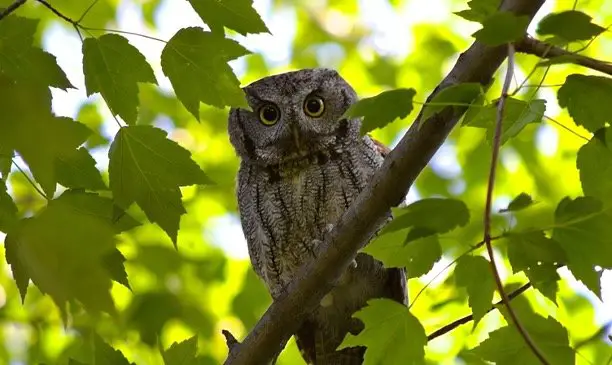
359,223
545,50
11,8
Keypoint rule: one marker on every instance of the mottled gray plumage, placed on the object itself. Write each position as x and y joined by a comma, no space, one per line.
298,174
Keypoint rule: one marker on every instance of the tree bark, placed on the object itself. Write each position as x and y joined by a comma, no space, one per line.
358,224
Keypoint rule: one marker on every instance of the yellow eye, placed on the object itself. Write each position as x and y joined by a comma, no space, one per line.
269,114
314,106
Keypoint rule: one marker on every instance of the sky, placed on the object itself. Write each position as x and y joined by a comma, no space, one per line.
390,27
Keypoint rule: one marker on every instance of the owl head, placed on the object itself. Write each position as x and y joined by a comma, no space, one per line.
294,115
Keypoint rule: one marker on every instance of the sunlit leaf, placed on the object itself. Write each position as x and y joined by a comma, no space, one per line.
195,61
238,15
148,168
537,256
475,274
505,346
113,67
459,95
387,325
20,60
80,242
594,161
396,250
587,99
502,27
570,25
382,109
583,229
437,215
479,10
517,114
78,170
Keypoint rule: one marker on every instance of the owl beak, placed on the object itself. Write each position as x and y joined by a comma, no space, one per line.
296,136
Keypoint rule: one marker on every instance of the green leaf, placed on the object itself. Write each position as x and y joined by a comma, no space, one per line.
382,109
78,170
537,256
583,230
438,215
252,301
545,279
149,312
59,234
104,354
20,60
506,346
148,168
113,67
196,64
102,208
183,353
90,116
474,273
238,15
113,262
531,249
394,250
479,10
570,25
28,127
502,27
517,114
6,159
587,99
392,334
594,161
456,96
520,202
8,210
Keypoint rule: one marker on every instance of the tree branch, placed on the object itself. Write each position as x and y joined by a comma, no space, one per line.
544,50
489,201
451,326
359,223
11,8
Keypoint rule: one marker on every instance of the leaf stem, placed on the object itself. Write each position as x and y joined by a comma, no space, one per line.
487,215
11,8
30,180
451,326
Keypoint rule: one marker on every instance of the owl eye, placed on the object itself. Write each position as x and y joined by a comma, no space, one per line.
269,114
314,106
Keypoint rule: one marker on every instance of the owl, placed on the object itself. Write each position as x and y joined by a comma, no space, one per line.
302,165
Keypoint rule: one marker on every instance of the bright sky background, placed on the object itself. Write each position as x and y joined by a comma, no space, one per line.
390,28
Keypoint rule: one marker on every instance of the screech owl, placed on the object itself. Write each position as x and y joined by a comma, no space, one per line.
302,165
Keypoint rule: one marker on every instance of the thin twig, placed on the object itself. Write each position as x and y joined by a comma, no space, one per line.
487,214
471,249
56,12
566,127
451,326
230,340
11,8
545,50
86,11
